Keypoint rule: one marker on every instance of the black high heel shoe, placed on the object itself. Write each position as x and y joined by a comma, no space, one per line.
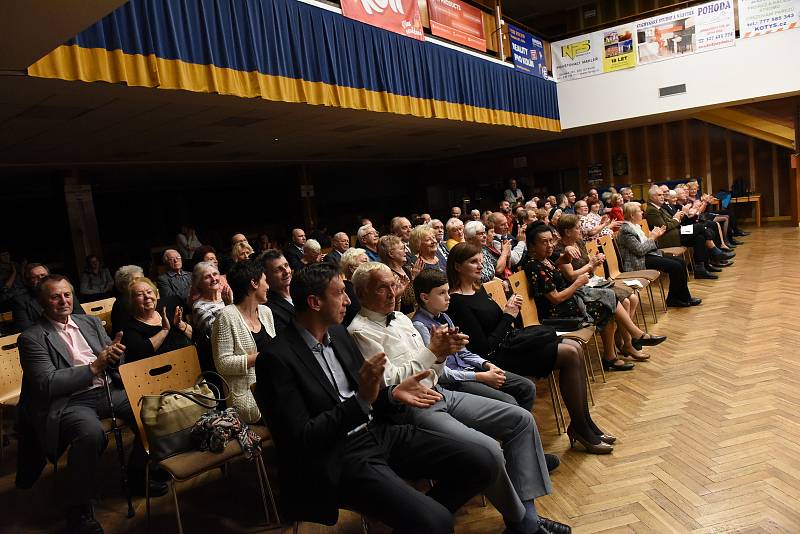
647,340
553,527
600,448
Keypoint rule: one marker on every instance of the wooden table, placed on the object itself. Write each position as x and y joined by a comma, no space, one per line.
755,198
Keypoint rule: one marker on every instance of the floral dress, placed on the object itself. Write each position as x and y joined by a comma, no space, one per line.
544,278
588,222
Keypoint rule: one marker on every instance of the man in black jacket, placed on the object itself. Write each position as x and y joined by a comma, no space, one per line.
279,277
331,418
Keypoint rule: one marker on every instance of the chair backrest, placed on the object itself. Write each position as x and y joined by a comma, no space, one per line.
6,317
10,369
495,290
644,226
519,286
177,369
102,310
612,260
593,250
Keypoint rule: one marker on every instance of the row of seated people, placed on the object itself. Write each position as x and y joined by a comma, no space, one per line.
260,316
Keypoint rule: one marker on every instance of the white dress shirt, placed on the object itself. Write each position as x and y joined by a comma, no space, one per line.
405,351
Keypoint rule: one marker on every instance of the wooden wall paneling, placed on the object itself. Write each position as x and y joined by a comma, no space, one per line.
489,33
687,156
740,164
677,150
665,150
697,148
751,159
763,176
631,172
775,196
728,156
638,155
618,146
655,148
719,158
608,161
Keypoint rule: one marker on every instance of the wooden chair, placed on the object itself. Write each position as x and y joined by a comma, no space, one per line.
6,317
102,310
179,369
645,277
10,381
592,249
680,251
530,317
495,290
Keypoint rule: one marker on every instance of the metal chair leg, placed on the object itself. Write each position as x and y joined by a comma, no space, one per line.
599,357
558,402
652,302
663,295
269,490
147,492
296,527
483,500
177,508
551,382
263,491
641,312
586,365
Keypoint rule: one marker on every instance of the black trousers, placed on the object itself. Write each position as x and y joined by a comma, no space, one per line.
81,432
377,461
697,240
676,269
516,390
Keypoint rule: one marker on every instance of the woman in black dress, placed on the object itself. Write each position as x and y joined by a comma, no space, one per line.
487,325
148,332
556,297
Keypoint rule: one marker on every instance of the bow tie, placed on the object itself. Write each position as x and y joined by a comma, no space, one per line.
389,318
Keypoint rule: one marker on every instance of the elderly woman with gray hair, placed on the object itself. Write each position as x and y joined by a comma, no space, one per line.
122,280
475,233
213,295
312,253
351,259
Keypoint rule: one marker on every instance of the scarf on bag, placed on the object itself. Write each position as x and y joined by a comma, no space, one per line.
215,429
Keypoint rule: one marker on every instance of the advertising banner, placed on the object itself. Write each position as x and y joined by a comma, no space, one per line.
458,22
578,57
527,52
757,17
716,25
618,48
399,16
694,29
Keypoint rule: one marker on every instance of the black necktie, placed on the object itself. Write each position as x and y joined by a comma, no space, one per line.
389,318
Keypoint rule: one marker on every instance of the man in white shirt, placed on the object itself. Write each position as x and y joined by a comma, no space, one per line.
479,420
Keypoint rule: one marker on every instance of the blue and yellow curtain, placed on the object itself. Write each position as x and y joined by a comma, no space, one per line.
288,51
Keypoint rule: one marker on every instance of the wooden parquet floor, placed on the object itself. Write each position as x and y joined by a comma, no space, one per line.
709,430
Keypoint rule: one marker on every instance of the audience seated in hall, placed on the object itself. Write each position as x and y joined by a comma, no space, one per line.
340,243
329,412
513,194
638,252
240,333
150,331
26,308
227,260
351,260
65,361
475,215
592,224
175,282
212,296
455,232
500,234
368,239
401,227
455,213
580,264
279,277
392,252
700,238
294,249
556,296
425,250
464,370
120,311
615,202
487,325
468,418
494,265
312,253
96,280
438,232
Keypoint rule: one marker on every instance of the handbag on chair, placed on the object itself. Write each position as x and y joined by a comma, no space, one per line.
168,418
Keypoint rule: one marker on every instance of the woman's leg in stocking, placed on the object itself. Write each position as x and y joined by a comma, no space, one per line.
626,323
572,383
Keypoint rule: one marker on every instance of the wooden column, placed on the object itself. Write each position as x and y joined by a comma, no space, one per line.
707,142
82,219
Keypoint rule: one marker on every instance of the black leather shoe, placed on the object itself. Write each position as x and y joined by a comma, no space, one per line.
81,520
675,303
704,275
732,241
548,526
647,340
713,268
614,366
741,233
695,301
552,462
722,263
722,255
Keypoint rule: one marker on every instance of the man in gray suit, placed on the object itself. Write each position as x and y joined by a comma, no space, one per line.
65,361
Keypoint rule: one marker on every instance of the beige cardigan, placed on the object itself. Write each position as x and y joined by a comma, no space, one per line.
231,342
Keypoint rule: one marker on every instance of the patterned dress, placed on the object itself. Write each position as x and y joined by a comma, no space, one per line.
544,278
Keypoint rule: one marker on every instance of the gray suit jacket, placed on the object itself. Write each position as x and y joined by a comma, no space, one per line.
631,250
49,378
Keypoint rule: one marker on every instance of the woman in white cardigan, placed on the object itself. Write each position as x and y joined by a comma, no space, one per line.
240,332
